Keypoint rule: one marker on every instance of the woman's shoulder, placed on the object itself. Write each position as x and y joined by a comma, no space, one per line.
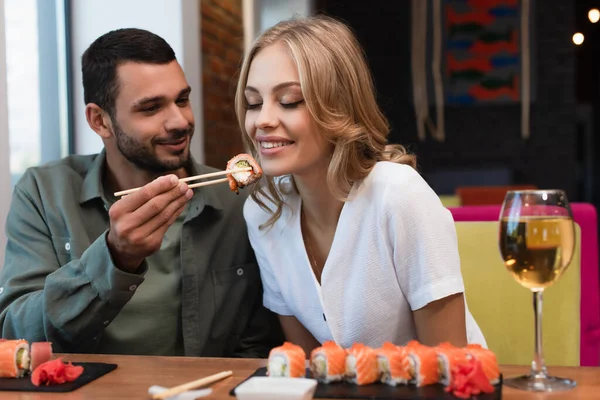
400,178
400,188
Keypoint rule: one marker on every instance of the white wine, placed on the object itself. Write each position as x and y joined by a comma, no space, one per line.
537,250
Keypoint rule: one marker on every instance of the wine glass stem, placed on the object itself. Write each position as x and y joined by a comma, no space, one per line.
538,366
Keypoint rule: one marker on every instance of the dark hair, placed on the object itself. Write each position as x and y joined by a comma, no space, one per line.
100,61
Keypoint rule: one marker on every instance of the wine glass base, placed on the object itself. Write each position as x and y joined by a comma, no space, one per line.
540,383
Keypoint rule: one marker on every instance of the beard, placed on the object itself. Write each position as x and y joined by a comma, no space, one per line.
144,156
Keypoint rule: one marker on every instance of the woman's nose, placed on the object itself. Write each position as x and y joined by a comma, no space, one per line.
267,118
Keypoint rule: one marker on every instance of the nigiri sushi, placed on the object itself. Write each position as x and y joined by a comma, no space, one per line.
423,361
239,180
287,360
328,362
488,360
361,365
448,356
393,364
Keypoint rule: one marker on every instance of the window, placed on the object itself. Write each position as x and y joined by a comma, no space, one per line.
37,76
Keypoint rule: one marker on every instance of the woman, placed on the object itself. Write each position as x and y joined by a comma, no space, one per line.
352,243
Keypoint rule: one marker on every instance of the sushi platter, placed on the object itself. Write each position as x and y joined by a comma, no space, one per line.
91,372
32,367
412,371
376,391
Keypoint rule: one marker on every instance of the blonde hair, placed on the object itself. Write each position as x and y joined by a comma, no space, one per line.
339,93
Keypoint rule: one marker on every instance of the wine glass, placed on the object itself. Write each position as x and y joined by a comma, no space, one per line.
537,241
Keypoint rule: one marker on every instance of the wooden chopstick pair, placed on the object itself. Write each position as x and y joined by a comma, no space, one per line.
192,385
194,178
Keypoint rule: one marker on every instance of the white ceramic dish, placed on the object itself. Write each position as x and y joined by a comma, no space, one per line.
265,388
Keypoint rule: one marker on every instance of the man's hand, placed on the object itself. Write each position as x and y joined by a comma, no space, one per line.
138,221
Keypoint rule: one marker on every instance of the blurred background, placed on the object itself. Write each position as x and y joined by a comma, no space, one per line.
487,93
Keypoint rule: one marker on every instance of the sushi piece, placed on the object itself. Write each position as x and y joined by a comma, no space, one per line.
393,364
361,365
423,364
14,358
489,362
287,360
449,356
239,180
40,353
328,362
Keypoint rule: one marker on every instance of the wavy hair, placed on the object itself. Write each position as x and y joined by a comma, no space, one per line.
340,96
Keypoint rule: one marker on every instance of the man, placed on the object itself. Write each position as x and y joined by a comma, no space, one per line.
164,270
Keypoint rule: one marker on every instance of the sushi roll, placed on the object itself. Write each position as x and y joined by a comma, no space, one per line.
239,180
328,362
448,356
40,353
393,364
488,360
423,364
361,365
287,360
14,358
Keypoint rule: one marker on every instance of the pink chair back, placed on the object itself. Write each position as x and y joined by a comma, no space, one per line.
585,215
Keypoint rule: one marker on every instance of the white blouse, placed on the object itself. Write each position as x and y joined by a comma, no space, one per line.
394,251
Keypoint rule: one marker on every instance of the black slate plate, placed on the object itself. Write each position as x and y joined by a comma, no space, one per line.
378,391
91,371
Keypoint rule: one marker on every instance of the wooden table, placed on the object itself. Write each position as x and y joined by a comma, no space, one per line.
135,374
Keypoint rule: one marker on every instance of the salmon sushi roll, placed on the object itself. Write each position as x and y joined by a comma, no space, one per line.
14,358
287,360
328,362
393,364
488,360
449,356
361,365
423,364
239,180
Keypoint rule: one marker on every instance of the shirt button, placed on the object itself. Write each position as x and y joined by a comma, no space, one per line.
67,246
132,288
106,322
240,271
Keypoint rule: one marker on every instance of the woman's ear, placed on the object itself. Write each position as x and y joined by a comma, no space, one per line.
99,120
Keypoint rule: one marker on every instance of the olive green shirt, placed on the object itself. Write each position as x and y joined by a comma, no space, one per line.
59,283
156,306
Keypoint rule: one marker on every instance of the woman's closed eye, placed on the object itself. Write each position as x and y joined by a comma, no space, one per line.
253,106
292,105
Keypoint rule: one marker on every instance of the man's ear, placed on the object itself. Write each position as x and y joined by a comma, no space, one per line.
99,120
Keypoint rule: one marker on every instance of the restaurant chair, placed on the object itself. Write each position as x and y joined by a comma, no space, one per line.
449,200
503,308
484,195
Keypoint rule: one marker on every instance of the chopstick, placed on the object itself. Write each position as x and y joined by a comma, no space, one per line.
195,185
194,178
192,385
